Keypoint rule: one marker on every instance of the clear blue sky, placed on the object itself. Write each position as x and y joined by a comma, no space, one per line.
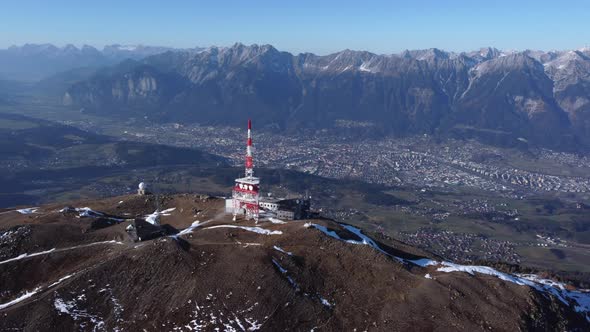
300,25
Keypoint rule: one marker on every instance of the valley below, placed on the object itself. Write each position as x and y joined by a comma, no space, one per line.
460,199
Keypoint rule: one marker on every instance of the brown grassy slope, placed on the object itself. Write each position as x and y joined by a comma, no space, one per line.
230,278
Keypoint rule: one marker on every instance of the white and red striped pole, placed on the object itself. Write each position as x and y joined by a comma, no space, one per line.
249,160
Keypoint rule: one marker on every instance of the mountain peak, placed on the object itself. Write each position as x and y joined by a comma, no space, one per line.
508,62
429,54
489,52
254,48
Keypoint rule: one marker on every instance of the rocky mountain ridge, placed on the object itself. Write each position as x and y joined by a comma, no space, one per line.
541,97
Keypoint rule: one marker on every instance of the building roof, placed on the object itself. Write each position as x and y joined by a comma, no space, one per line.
271,199
249,180
291,203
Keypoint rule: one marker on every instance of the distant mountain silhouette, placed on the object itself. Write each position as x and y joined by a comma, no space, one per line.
32,62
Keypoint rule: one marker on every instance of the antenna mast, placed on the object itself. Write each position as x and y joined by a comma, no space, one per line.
245,194
249,159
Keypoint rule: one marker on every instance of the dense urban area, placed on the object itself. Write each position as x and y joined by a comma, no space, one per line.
417,160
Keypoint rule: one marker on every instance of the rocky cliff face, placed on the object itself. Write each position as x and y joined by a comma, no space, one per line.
518,95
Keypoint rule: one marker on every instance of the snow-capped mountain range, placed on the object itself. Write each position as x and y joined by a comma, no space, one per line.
499,96
541,97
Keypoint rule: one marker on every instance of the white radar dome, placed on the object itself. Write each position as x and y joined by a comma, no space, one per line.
142,186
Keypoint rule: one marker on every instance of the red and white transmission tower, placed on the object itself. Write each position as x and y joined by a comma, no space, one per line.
245,193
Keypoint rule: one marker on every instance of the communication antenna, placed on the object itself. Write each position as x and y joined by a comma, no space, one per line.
249,159
245,195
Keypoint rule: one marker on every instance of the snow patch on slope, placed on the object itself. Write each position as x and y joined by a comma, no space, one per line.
284,272
258,230
154,218
366,68
210,316
59,281
472,269
23,297
78,315
189,229
325,302
559,290
28,210
281,250
422,262
365,239
87,212
368,241
30,294
25,256
580,299
84,212
276,221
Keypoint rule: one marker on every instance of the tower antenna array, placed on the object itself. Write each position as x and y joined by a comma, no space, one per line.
245,193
